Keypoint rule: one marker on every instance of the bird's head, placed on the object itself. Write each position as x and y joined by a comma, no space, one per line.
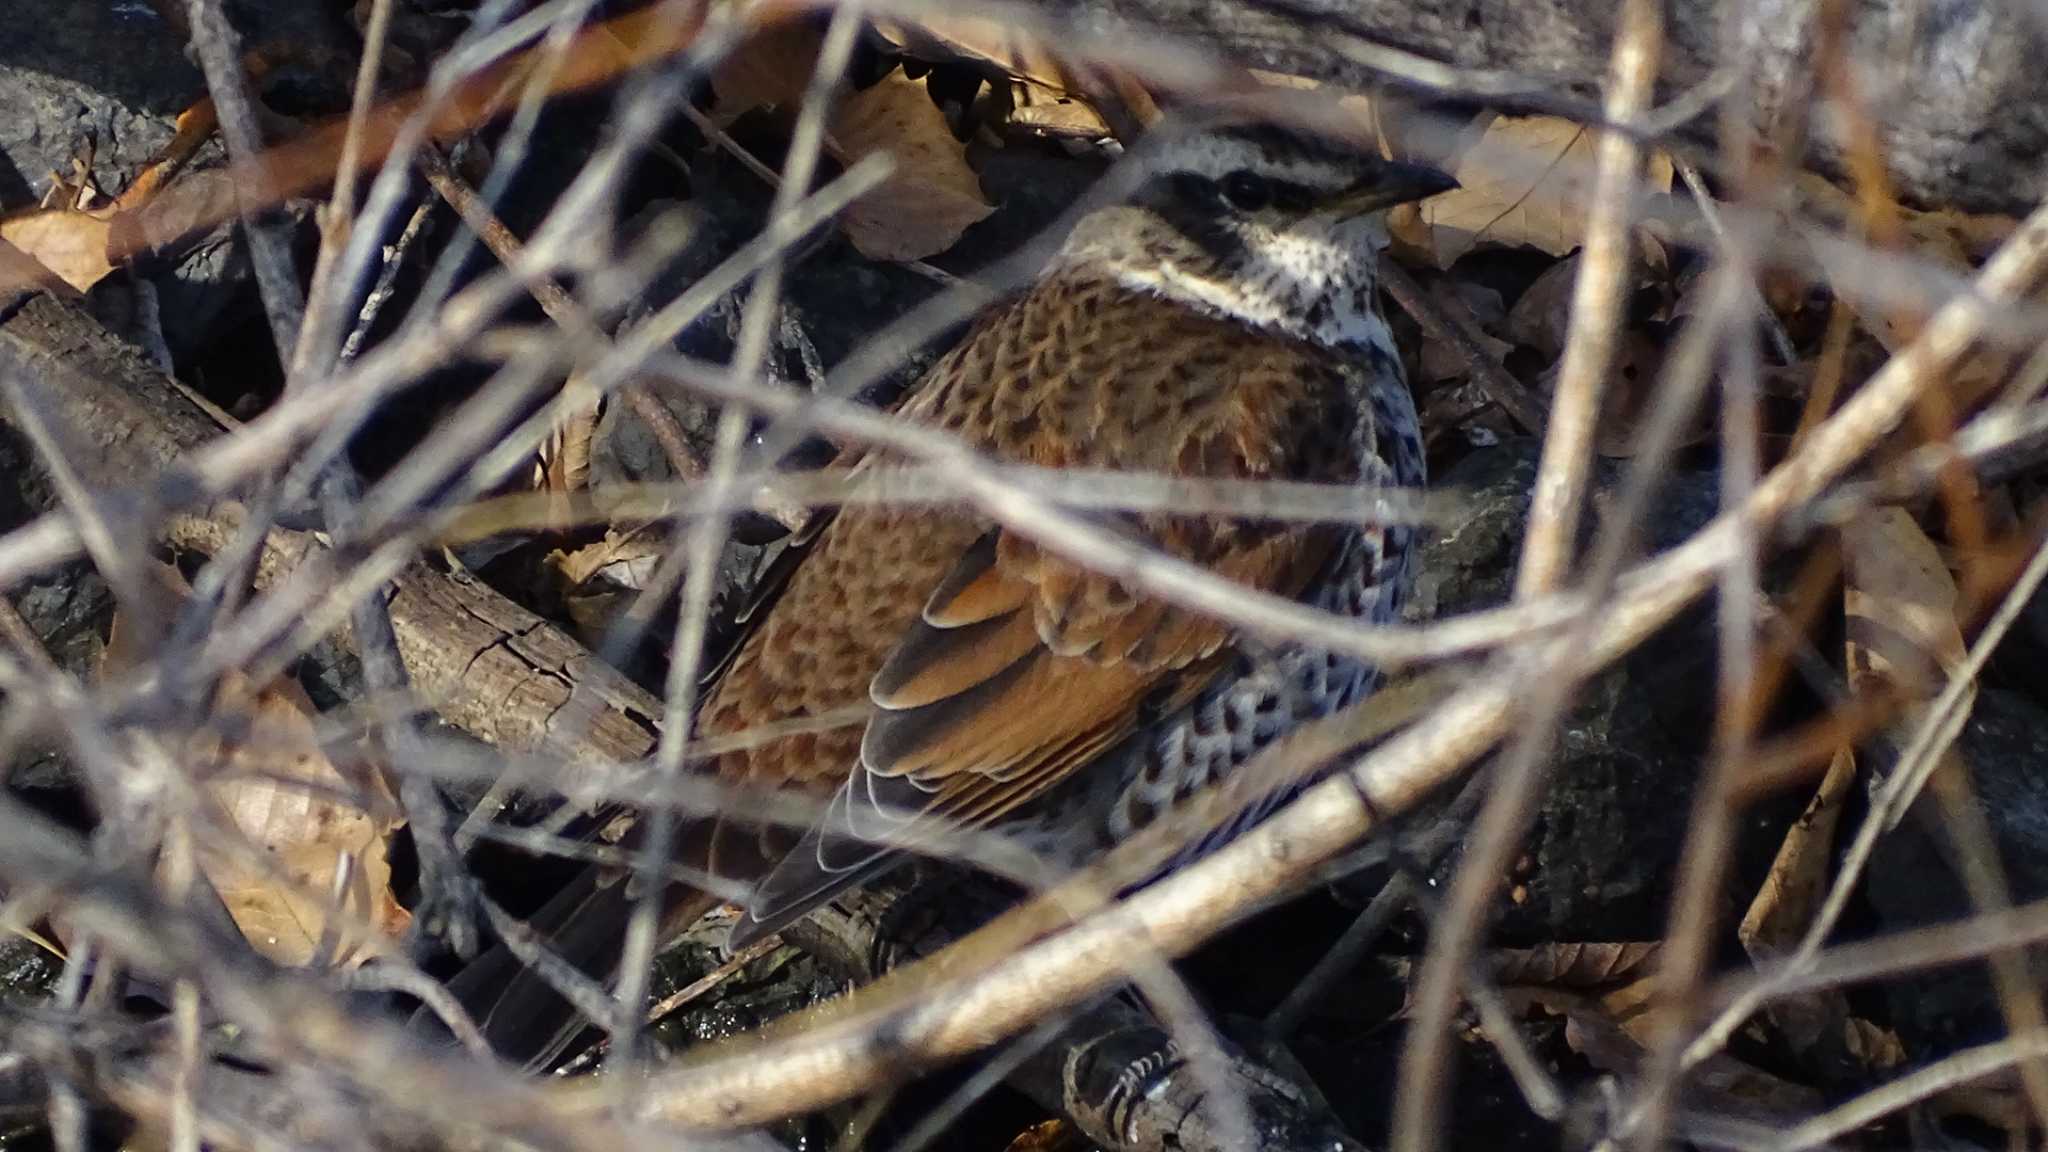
1261,222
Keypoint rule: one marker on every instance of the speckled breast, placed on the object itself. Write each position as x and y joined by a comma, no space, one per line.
1268,691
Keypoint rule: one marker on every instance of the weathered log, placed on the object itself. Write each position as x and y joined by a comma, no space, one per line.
1960,104
488,666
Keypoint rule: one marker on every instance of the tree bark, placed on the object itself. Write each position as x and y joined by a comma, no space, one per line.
487,665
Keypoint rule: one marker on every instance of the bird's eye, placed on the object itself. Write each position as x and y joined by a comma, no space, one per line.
1247,191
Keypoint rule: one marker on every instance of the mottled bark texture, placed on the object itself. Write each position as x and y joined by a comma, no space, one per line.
1952,84
485,664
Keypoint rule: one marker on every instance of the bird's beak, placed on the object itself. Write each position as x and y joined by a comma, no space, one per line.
1395,183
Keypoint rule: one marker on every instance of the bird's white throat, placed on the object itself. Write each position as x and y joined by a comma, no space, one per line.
1314,282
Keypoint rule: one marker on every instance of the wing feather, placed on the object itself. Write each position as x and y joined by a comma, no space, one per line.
1005,668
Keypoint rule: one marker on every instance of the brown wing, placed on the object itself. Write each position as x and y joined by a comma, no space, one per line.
992,669
809,659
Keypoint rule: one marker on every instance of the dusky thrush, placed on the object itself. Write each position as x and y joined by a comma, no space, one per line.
1220,322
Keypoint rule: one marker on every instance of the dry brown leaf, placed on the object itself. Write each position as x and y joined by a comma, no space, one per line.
1049,112
993,43
603,580
1786,901
1543,312
770,70
274,784
1046,95
1957,237
83,245
81,237
1357,105
70,243
931,197
1615,980
626,558
1618,980
1900,601
562,463
1575,965
1526,181
1953,240
1900,604
307,835
1791,891
1618,1042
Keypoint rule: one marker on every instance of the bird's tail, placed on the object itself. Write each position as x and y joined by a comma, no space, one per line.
522,1016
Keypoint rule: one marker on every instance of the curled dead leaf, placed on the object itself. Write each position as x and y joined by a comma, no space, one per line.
1543,312
1366,111
1049,112
769,71
1526,181
931,197
995,44
1579,965
1048,95
1791,891
1875,1047
327,868
1900,601
82,246
602,580
1788,898
562,464
1615,1030
311,862
70,243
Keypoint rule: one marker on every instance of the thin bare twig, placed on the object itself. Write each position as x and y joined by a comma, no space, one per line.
1710,215
830,1062
1935,733
1920,1084
1597,300
1552,537
675,1001
706,537
1447,326
1739,707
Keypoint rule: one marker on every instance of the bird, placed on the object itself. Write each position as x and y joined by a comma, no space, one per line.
1219,320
